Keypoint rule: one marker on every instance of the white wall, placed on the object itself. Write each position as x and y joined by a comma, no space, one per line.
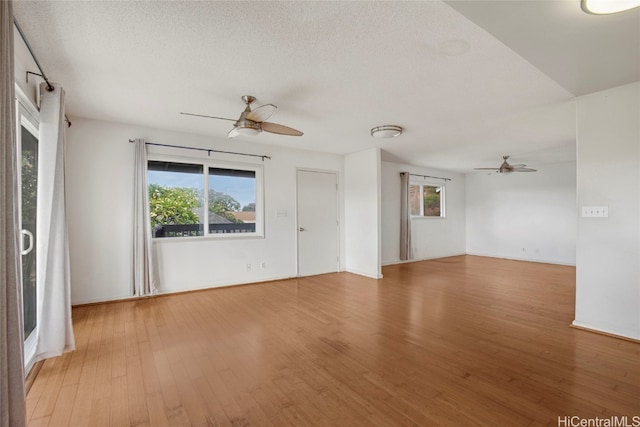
527,216
23,62
362,213
430,237
99,197
608,249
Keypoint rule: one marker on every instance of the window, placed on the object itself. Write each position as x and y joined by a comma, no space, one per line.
176,198
427,200
232,201
183,197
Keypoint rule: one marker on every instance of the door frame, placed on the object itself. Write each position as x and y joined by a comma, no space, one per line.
338,216
27,116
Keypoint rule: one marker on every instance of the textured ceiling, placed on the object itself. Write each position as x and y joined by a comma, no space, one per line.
584,53
334,69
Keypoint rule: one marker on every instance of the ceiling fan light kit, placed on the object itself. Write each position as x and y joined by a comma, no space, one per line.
607,7
248,129
386,131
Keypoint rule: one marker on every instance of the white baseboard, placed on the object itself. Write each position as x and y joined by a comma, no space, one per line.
606,331
394,262
362,273
192,288
542,261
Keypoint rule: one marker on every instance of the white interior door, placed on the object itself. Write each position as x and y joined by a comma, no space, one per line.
317,222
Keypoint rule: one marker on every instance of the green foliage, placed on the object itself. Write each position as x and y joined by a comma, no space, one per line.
223,204
170,205
431,201
251,207
29,186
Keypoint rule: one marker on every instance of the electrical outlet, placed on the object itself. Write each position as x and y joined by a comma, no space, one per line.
263,265
248,267
595,211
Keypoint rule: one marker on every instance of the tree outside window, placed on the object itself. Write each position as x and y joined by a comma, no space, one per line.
426,200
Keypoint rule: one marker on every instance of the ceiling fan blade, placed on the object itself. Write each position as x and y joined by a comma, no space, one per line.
209,117
233,133
520,165
261,113
280,129
524,170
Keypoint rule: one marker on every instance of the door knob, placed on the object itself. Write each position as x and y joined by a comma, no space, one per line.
301,229
30,236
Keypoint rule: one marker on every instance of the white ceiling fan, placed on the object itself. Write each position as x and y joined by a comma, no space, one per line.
505,167
252,122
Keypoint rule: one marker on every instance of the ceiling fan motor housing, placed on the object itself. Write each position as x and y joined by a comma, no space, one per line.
244,123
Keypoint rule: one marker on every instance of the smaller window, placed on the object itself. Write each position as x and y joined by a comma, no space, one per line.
427,200
232,200
176,197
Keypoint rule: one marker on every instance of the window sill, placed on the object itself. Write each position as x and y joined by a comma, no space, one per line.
210,237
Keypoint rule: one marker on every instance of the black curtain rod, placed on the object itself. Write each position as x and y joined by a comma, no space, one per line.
428,176
208,150
50,87
33,55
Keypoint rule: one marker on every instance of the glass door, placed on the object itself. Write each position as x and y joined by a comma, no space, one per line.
27,139
29,191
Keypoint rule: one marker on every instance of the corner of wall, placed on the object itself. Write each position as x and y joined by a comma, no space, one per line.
608,249
363,251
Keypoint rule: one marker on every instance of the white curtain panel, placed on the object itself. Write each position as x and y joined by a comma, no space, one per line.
144,277
55,331
12,397
405,218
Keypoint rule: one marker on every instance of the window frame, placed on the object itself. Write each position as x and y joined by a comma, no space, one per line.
213,163
443,198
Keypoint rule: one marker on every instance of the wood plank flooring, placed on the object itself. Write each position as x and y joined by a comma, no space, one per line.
459,341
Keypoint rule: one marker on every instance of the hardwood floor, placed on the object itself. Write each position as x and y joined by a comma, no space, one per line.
458,341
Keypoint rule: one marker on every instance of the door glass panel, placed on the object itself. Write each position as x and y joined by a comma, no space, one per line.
29,185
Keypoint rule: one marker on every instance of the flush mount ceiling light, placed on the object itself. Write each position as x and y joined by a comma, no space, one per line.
386,131
606,7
